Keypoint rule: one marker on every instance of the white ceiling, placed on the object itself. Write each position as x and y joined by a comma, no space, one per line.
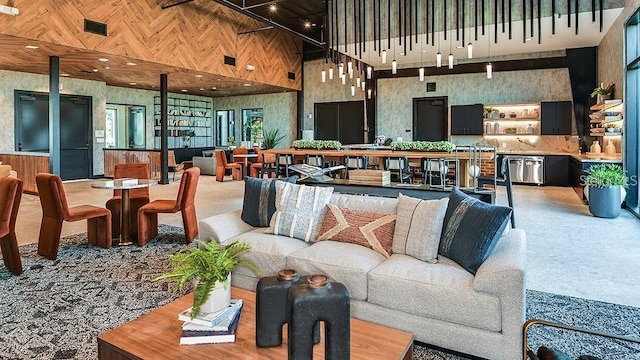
589,35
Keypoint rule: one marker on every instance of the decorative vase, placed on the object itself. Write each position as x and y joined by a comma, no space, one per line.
610,149
595,147
219,297
605,202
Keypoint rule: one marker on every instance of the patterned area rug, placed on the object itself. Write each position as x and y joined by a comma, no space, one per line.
56,309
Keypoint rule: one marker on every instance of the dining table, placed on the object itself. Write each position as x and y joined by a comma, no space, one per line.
245,158
124,185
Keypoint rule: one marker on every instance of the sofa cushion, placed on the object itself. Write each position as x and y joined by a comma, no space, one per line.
471,229
268,251
377,204
441,291
341,262
365,228
300,210
259,202
419,227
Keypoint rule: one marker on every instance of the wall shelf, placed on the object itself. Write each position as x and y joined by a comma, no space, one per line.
189,123
525,116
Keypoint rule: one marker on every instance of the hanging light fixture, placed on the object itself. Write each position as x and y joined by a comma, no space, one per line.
350,67
489,71
331,73
489,66
421,72
369,72
363,85
394,67
341,69
384,56
450,61
439,59
353,90
369,93
469,50
358,82
344,79
323,75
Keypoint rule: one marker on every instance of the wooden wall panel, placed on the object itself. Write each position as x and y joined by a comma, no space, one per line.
116,156
195,35
27,167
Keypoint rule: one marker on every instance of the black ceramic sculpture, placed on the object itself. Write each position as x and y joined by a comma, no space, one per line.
272,307
319,300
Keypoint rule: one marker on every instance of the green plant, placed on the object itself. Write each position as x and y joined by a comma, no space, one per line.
231,141
445,146
317,144
489,110
610,125
208,263
272,138
605,175
256,129
602,90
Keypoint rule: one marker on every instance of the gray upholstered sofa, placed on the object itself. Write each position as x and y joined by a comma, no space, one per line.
441,304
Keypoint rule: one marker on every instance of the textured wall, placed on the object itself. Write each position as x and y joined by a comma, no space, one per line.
611,51
280,112
99,92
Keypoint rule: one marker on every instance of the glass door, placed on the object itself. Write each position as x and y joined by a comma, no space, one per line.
225,128
631,108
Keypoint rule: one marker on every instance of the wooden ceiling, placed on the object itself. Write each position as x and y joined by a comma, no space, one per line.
82,64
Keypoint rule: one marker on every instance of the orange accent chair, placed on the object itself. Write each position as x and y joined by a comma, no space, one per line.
222,166
240,151
185,203
265,164
137,197
10,196
55,210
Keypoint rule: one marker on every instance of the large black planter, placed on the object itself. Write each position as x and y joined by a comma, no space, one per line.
605,202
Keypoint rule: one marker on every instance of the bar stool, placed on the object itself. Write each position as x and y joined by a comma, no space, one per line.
283,161
399,168
354,163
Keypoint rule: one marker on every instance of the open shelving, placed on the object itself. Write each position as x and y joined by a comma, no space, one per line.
189,123
606,116
513,120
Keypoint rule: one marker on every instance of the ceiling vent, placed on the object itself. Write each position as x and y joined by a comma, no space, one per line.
95,27
228,60
292,76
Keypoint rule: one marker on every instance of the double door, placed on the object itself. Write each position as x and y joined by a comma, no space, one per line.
342,121
32,130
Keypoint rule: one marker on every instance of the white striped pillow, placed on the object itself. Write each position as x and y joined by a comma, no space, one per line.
300,210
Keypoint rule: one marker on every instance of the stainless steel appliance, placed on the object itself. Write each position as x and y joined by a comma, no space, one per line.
527,169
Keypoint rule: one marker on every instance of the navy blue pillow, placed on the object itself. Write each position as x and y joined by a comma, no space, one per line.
471,229
260,200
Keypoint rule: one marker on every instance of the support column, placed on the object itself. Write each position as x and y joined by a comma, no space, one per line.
54,115
164,152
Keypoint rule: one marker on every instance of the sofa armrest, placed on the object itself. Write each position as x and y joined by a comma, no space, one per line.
223,227
502,272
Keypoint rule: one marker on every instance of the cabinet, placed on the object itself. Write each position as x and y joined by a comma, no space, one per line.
556,117
557,170
190,123
512,119
466,119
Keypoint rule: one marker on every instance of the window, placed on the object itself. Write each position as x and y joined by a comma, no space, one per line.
225,128
252,121
632,106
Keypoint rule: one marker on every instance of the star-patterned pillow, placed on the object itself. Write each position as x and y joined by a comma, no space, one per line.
364,228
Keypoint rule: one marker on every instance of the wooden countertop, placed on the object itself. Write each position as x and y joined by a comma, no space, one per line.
377,153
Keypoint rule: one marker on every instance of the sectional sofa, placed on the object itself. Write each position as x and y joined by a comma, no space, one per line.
441,304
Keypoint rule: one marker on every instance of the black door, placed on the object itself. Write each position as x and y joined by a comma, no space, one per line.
430,119
32,130
342,121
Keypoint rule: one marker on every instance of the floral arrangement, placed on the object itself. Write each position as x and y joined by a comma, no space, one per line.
317,144
602,90
442,146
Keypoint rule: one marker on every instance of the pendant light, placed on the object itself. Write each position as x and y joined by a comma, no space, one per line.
421,72
369,93
363,85
353,90
344,79
489,71
489,66
469,51
323,75
350,67
439,59
341,69
394,67
358,82
331,73
369,72
384,56
450,61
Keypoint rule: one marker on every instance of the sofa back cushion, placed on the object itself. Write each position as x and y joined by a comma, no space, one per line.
259,202
419,227
471,229
365,228
377,204
300,210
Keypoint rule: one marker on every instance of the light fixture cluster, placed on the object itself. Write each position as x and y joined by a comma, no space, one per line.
357,72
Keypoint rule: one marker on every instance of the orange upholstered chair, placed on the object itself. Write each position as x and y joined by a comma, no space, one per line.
240,151
185,203
222,166
265,164
10,196
137,197
55,210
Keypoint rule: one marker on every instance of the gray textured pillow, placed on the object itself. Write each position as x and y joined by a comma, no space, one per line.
419,227
300,210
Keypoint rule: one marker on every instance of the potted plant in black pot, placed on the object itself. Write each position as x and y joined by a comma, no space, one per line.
606,183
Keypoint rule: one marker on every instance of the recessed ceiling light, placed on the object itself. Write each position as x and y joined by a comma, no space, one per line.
132,83
307,24
31,47
247,84
251,67
107,67
214,88
64,74
103,59
198,76
273,7
201,89
184,90
95,70
218,79
131,64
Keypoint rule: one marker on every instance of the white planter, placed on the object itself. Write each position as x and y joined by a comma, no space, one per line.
219,297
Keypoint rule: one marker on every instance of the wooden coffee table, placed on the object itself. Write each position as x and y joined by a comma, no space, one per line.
156,335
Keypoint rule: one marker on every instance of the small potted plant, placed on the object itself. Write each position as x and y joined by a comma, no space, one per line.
606,184
232,142
210,265
603,93
490,113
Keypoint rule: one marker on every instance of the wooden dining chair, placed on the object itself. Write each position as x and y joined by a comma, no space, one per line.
55,210
10,196
222,166
184,202
137,197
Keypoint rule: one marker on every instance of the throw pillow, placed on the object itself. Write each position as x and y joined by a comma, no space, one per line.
259,202
300,210
365,228
419,227
471,229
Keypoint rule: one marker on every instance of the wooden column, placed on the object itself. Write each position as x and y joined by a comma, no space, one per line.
54,115
164,152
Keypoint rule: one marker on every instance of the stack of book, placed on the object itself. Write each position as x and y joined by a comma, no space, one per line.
211,328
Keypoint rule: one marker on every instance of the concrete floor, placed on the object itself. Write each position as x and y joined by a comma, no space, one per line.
569,252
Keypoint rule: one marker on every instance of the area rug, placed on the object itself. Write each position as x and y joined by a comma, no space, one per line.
56,309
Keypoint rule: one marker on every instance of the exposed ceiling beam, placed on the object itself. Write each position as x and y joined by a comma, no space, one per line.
263,3
258,17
